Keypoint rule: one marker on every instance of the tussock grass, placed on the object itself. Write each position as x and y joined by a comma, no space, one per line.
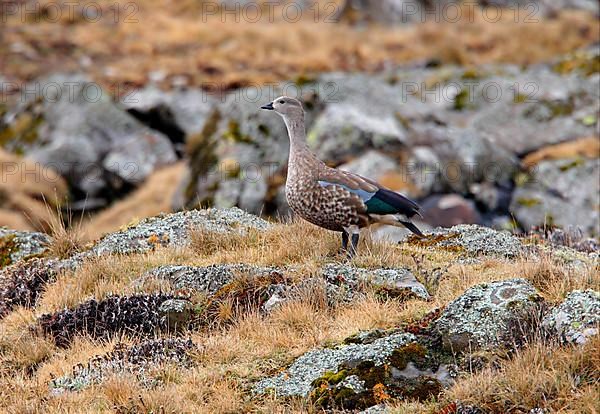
542,375
26,191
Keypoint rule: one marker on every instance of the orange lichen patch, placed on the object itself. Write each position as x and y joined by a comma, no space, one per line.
435,240
588,147
380,394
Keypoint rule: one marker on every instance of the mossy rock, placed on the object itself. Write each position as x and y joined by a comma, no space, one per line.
21,245
21,133
8,246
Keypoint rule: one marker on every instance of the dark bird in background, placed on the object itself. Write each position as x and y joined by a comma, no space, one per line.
334,199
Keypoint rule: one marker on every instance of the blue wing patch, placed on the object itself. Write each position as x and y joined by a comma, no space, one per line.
364,195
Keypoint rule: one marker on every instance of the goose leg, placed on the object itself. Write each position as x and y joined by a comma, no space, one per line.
344,241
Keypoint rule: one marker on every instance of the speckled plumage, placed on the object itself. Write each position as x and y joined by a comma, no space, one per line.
334,199
332,207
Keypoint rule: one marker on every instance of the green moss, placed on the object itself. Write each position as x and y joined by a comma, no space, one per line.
573,164
304,79
234,133
556,109
589,120
520,98
8,246
330,378
461,100
528,202
21,133
471,74
584,62
263,129
521,178
312,137
202,149
413,352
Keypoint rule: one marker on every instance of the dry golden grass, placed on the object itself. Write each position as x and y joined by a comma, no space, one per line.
26,190
558,379
178,40
252,345
588,147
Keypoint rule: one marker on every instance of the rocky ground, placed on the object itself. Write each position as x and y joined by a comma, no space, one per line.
119,294
221,311
497,145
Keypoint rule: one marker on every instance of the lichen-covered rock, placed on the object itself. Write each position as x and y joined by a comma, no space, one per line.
547,108
174,230
360,375
205,279
140,360
99,148
488,315
345,129
176,313
298,378
576,318
272,286
472,240
22,283
390,282
564,193
17,245
138,315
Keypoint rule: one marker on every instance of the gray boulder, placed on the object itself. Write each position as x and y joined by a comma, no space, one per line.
339,283
576,319
487,316
360,114
186,109
565,193
535,108
345,129
297,379
449,210
99,148
207,280
450,159
363,372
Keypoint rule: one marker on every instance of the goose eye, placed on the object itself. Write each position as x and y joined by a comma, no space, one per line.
282,102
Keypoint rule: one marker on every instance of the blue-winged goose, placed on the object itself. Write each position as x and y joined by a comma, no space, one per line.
334,199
